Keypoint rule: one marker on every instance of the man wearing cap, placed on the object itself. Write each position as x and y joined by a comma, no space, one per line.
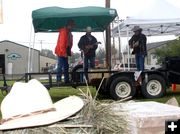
63,50
138,44
88,44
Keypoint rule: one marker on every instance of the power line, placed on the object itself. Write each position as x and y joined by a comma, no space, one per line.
35,42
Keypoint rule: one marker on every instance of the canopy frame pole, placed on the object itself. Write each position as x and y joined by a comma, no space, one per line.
114,47
119,40
29,51
104,39
119,43
127,30
32,53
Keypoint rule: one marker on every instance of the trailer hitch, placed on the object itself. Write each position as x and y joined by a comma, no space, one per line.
5,89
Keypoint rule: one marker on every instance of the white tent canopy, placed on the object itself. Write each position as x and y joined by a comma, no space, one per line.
160,18
150,27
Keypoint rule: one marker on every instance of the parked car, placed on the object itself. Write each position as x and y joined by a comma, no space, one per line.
52,68
124,67
80,62
152,67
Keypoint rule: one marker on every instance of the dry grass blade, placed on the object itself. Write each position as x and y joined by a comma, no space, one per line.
99,88
102,115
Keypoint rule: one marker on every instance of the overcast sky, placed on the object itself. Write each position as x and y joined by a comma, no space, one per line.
17,18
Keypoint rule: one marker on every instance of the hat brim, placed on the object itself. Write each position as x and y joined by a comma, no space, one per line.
64,109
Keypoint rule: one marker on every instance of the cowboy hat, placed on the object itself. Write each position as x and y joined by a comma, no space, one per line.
136,28
29,104
88,29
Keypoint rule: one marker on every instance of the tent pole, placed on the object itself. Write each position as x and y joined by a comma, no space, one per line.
104,39
29,51
32,53
114,48
128,45
119,40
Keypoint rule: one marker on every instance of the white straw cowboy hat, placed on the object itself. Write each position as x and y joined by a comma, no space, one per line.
88,29
29,104
136,28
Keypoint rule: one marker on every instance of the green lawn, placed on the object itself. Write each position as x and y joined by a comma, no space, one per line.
59,93
62,92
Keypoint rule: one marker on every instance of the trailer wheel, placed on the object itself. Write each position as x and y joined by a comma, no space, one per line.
122,87
154,87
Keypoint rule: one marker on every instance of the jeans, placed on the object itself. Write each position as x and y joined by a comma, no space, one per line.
88,61
63,67
139,61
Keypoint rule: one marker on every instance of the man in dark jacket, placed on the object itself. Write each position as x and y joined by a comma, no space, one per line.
88,45
138,44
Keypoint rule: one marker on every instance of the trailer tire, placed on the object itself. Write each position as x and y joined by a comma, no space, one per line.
102,90
154,87
122,87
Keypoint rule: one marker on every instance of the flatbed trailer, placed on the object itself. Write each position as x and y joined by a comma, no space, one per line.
118,85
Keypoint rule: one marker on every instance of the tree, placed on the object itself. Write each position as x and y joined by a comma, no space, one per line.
100,55
48,53
74,57
170,49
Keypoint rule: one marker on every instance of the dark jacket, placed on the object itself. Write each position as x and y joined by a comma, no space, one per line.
88,40
141,48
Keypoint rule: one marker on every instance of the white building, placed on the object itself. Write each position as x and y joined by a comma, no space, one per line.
14,59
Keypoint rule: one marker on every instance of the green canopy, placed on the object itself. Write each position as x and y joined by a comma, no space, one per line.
50,19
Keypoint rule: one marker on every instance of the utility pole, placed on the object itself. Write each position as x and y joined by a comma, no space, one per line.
108,41
41,43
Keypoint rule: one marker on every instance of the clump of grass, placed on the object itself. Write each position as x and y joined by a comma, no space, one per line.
103,116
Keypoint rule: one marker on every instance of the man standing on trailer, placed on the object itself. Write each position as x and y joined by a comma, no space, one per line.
63,50
138,44
88,44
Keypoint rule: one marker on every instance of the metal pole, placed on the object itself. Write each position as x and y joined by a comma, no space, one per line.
29,52
121,55
114,48
41,41
128,46
32,55
119,39
108,41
